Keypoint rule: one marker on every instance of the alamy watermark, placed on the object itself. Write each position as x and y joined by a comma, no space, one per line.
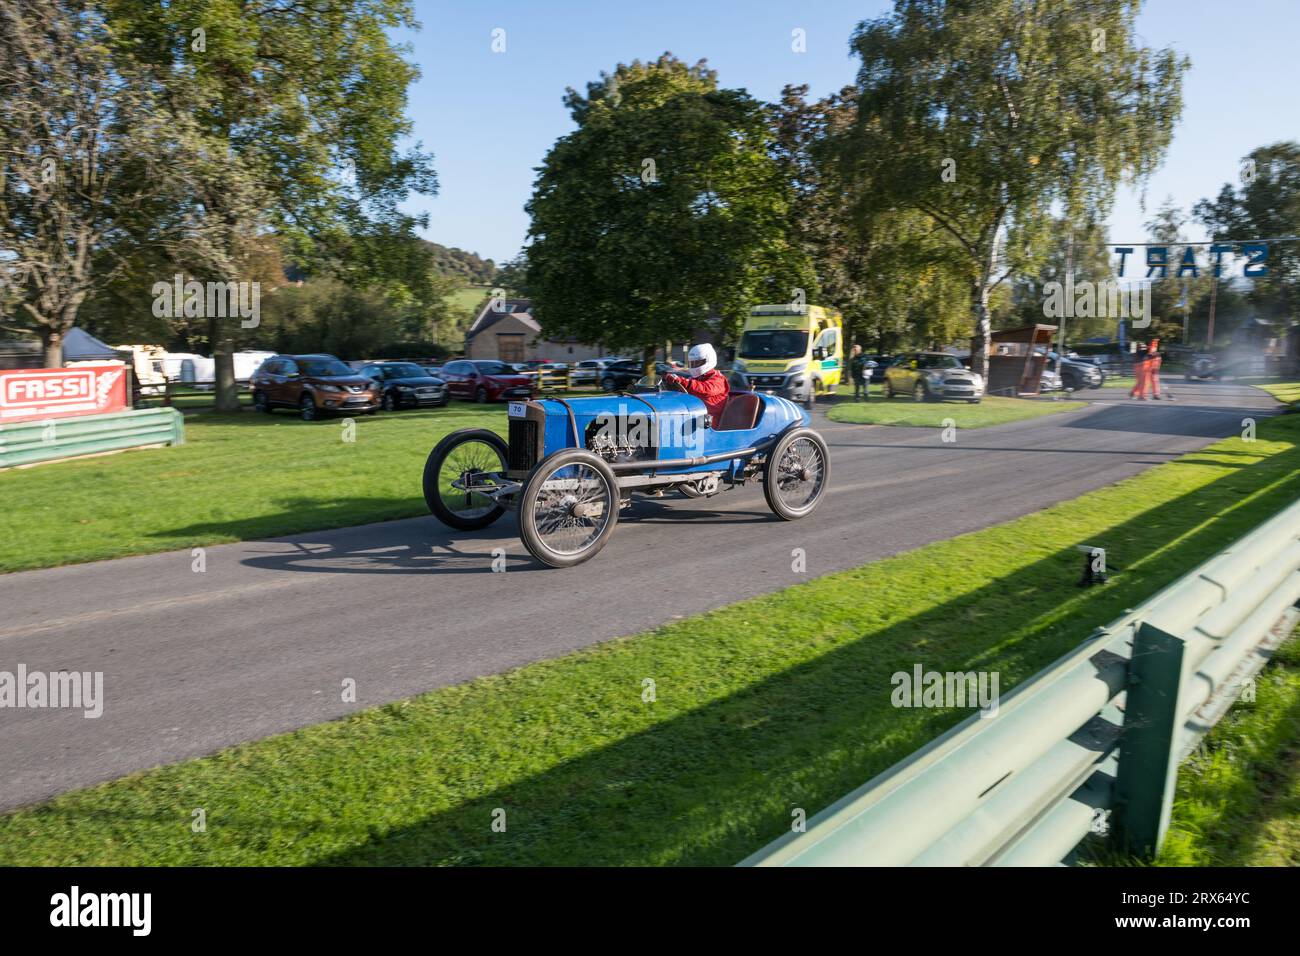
208,300
922,688
1098,300
82,690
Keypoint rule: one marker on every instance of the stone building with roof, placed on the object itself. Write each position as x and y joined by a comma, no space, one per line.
511,333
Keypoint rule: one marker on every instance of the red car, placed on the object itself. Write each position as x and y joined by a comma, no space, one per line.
485,380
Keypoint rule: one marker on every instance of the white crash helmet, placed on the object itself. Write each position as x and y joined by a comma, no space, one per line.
701,360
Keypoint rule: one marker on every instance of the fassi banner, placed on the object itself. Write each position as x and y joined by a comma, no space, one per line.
33,393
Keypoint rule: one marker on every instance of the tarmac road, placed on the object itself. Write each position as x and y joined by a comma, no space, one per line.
262,640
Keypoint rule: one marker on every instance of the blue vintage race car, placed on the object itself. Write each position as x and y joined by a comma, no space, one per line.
570,465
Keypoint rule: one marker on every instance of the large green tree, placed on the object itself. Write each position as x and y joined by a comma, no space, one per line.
303,106
90,160
894,273
984,116
1264,204
664,208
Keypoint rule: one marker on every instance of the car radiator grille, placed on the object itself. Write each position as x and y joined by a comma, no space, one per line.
522,453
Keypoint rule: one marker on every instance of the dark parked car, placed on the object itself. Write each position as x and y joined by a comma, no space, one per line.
625,374
405,385
485,380
1203,365
313,384
1078,373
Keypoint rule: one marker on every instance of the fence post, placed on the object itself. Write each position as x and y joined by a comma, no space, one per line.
1148,759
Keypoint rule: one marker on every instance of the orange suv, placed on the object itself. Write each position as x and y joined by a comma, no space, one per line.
313,384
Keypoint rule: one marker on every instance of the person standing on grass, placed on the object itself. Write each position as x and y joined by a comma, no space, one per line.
860,373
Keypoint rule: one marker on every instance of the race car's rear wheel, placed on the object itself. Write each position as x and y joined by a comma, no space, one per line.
568,508
472,458
796,473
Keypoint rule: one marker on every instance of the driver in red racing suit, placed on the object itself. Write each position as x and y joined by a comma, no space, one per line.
704,381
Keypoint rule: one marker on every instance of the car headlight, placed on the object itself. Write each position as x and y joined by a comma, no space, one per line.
738,366
326,387
405,388
977,379
796,367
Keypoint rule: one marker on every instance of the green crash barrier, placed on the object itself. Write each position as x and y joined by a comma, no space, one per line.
1089,745
25,443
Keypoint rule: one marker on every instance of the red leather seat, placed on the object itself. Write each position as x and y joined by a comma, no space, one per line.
740,412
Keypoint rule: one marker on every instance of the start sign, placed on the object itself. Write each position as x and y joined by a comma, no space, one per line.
34,393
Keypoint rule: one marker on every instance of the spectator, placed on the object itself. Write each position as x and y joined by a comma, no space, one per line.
1140,375
1153,368
860,372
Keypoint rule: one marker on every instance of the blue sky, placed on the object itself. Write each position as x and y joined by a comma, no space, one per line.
489,118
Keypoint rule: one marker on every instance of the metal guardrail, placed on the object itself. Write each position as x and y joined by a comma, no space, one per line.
25,443
1090,744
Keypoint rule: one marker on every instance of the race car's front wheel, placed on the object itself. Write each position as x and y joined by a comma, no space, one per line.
568,508
459,470
796,473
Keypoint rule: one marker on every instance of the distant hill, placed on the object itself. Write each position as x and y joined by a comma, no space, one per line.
469,266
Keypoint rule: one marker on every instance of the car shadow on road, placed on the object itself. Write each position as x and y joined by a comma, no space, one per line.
673,509
411,558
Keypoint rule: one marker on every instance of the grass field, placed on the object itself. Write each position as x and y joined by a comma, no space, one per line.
1238,796
237,477
772,704
993,410
467,299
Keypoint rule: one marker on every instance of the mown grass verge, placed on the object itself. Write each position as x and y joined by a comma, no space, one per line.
992,410
774,704
237,477
1286,392
1238,796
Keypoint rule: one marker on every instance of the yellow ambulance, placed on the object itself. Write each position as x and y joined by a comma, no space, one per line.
796,351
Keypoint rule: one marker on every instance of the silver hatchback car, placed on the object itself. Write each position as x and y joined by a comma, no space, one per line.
932,376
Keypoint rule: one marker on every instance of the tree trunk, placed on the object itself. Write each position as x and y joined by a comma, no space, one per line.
53,342
980,341
223,355
649,355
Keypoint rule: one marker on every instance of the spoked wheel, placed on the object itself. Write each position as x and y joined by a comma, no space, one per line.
796,473
466,460
568,508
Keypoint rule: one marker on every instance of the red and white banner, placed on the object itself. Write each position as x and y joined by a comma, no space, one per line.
36,393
